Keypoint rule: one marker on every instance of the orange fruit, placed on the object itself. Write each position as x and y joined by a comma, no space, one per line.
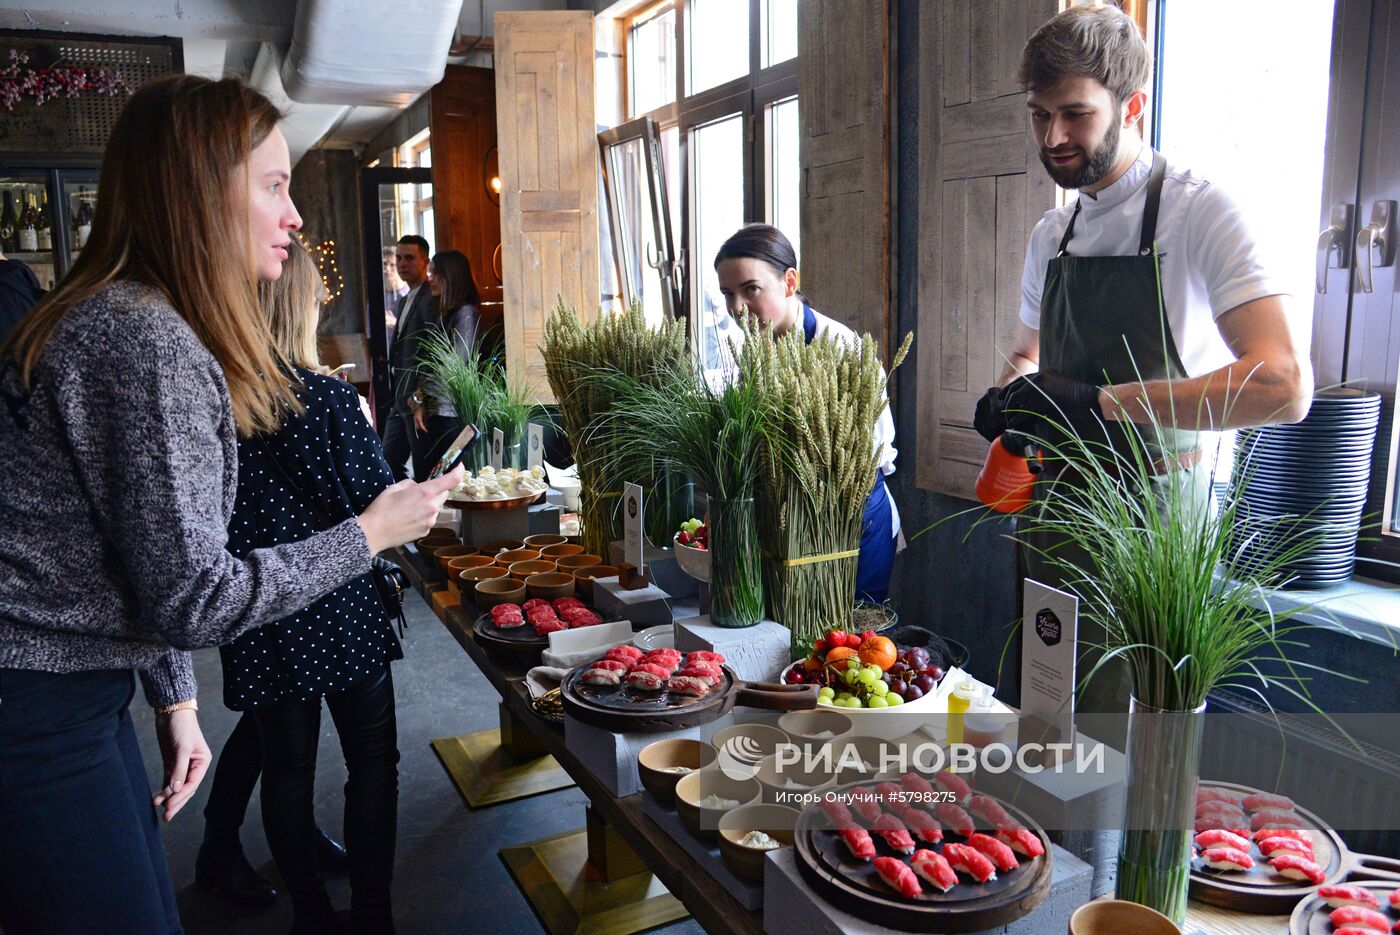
878,651
812,664
837,658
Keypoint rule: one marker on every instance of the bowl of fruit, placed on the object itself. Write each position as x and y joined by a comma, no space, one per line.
693,549
865,674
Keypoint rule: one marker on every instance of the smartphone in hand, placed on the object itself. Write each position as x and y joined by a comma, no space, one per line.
456,451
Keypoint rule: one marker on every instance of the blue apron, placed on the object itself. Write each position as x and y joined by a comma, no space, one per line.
876,561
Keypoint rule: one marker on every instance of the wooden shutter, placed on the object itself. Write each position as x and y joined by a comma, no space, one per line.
843,103
549,177
981,191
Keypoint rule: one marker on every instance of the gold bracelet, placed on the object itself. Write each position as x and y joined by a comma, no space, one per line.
189,704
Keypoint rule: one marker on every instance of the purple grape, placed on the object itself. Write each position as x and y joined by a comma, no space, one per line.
913,693
898,686
918,657
924,684
898,668
936,672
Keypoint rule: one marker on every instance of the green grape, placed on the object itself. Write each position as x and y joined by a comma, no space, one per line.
868,677
893,699
824,700
851,676
854,703
827,692
879,689
877,702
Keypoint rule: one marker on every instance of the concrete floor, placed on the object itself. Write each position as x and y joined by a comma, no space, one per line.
448,877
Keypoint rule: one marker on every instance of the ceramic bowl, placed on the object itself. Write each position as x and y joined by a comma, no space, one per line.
656,759
694,562
522,570
468,578
1116,916
449,552
578,560
428,545
694,787
815,726
461,563
498,591
509,557
777,821
747,744
541,540
858,758
500,545
551,585
563,549
790,782
586,576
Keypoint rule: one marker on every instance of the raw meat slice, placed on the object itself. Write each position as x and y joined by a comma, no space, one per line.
984,806
1219,838
1227,858
1261,800
1022,841
918,786
858,842
971,861
704,655
687,685
954,818
1360,917
596,676
863,801
997,852
898,876
933,867
1279,847
1297,868
924,826
895,834
1216,795
1339,896
1276,818
837,812
952,782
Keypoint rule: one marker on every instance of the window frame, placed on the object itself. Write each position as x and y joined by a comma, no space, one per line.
645,131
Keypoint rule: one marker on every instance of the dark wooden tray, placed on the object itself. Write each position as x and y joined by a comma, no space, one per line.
623,709
1262,891
855,887
521,640
1310,916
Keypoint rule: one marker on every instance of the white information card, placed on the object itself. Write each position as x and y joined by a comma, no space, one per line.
498,448
536,445
1049,637
633,538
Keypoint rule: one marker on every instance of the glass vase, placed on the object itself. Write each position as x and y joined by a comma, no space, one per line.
1163,763
736,575
669,502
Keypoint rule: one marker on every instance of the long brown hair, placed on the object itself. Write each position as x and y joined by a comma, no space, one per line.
173,181
458,283
291,303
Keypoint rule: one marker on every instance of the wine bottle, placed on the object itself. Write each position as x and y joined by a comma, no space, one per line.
45,235
9,232
83,222
28,226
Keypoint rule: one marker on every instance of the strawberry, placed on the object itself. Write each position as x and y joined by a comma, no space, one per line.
819,647
684,538
868,634
835,638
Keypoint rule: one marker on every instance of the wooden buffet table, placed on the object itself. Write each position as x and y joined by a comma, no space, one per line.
701,894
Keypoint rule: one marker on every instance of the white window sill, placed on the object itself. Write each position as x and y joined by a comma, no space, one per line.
1361,607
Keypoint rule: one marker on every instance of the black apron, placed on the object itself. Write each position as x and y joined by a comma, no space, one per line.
1102,322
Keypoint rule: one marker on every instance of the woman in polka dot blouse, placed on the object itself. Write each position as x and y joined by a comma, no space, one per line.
311,474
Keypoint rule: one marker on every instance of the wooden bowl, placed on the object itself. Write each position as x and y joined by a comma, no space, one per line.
777,821
577,560
460,564
509,557
815,726
428,545
747,744
655,759
498,591
780,784
468,577
522,570
1116,916
447,553
693,787
585,576
540,540
500,545
563,549
550,585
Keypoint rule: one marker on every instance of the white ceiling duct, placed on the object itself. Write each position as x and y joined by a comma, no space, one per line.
363,53
305,124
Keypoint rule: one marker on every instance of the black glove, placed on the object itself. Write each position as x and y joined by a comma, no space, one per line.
1042,397
989,421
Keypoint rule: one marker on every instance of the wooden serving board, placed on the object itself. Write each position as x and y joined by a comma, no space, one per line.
521,640
1310,917
623,709
1261,890
855,887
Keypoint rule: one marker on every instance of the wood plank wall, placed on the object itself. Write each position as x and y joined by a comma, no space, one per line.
844,104
981,190
549,175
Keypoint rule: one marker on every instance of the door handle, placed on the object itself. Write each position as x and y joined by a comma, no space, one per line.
1378,235
1337,236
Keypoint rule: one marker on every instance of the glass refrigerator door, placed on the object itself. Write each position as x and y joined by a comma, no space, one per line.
79,196
27,223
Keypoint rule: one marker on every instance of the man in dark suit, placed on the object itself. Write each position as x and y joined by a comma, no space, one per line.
414,313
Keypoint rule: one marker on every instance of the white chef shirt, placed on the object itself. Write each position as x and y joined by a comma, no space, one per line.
1211,262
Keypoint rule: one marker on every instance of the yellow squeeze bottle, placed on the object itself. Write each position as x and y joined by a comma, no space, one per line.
959,700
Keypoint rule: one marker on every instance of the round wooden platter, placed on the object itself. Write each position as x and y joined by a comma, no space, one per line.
1263,891
502,503
854,886
1310,917
624,709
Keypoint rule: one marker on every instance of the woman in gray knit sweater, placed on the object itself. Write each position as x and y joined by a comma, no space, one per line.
122,397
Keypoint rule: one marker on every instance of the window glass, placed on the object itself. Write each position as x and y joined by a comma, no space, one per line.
651,63
1273,167
779,42
784,172
717,171
631,209
718,50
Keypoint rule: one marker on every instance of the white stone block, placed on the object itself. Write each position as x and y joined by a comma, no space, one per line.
612,757
758,653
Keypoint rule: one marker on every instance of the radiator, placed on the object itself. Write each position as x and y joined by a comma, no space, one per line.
1356,791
